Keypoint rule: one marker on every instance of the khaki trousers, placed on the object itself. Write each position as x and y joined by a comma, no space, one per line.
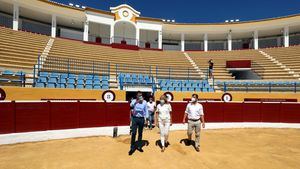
194,126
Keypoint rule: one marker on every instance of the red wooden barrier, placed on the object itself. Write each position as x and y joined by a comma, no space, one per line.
270,112
290,113
92,114
32,116
238,64
233,112
7,117
213,111
178,110
39,116
251,112
117,114
64,115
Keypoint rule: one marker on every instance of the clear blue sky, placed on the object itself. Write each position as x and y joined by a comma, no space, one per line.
202,11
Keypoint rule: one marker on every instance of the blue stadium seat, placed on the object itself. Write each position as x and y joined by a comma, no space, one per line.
71,81
62,81
52,80
89,86
96,77
97,86
89,77
80,82
177,88
71,86
81,77
4,80
54,75
79,86
89,82
61,85
105,78
63,76
51,85
42,79
96,81
7,72
40,84
44,74
105,87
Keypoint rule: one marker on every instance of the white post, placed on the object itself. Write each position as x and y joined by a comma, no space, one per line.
137,37
255,37
286,36
205,43
182,42
159,39
86,31
112,32
229,42
16,17
53,27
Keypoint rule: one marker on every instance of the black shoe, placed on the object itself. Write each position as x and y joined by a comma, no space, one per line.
131,152
140,150
197,149
167,144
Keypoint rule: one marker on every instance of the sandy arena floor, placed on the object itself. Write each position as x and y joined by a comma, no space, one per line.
226,148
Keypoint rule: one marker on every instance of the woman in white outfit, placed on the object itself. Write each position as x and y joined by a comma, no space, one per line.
164,119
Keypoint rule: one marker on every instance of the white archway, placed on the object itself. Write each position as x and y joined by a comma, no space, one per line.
125,32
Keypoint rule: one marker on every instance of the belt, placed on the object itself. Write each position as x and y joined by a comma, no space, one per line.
138,117
194,119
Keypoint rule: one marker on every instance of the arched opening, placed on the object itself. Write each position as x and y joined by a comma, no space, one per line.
125,33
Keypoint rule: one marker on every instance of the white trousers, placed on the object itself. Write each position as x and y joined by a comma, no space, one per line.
164,126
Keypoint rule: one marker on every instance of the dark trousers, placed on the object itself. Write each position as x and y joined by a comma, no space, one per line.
137,124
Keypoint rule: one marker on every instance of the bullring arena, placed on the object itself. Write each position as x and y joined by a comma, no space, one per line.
65,94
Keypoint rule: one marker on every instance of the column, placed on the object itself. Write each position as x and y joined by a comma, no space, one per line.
86,31
205,43
53,27
16,17
182,42
137,37
112,32
286,36
229,43
255,37
159,39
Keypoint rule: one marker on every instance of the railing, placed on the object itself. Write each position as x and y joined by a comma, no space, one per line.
99,39
66,65
124,40
260,86
148,44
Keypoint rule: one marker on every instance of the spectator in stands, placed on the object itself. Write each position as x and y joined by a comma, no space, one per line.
139,113
151,106
194,112
210,68
164,119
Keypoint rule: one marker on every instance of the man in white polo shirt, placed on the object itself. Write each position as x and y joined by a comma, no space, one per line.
194,112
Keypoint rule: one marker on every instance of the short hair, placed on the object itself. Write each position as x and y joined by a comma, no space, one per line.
195,95
139,93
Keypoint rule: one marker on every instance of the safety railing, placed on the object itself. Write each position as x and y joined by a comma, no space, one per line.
124,40
259,86
67,65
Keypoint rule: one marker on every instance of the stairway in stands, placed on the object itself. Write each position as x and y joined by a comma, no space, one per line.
195,66
281,65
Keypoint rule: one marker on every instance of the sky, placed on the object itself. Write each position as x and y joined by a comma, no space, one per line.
201,11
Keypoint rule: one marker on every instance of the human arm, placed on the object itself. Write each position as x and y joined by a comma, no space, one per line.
185,114
202,121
